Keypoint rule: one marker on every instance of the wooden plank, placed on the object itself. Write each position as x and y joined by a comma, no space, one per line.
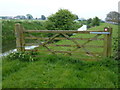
49,50
50,39
30,44
20,43
59,38
77,52
108,43
92,46
34,50
37,38
17,34
60,31
22,39
105,46
99,53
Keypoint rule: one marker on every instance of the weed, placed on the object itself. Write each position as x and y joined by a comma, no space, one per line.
22,56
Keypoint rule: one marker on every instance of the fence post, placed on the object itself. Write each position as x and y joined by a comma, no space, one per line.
20,43
108,42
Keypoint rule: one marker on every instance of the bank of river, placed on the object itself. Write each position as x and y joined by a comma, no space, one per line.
15,50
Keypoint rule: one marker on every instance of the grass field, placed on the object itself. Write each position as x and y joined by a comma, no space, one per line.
59,71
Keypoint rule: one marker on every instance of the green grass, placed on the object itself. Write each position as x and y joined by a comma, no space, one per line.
60,72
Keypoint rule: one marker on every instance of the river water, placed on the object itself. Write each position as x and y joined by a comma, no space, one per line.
15,50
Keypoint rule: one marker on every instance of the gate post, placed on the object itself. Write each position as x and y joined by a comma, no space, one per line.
20,43
108,42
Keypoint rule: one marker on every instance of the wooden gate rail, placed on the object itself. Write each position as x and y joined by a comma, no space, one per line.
60,38
107,32
94,46
64,31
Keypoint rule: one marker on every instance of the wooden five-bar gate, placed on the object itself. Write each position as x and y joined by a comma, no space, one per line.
77,46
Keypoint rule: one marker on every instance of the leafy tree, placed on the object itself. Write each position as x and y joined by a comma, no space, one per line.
43,17
61,20
89,21
113,16
29,16
77,17
95,21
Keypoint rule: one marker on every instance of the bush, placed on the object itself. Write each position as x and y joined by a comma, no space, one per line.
61,20
93,22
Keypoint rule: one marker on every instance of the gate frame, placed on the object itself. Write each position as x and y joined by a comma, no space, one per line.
20,39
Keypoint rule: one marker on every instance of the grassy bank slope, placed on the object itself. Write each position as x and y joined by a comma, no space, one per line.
60,72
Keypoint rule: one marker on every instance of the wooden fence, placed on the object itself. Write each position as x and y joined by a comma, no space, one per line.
106,32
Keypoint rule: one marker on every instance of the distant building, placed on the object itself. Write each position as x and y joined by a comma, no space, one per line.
20,17
6,17
81,19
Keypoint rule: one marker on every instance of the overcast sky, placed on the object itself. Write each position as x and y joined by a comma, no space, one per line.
83,8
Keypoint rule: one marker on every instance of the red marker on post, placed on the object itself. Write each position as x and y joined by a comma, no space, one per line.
105,29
